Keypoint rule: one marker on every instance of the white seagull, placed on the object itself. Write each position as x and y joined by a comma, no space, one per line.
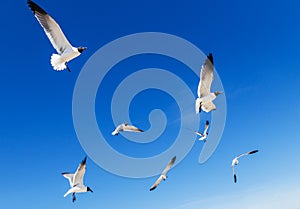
76,180
163,175
205,97
235,161
125,127
65,51
205,133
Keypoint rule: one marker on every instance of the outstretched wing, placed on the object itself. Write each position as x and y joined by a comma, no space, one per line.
198,133
132,128
234,174
51,28
165,171
206,76
157,182
206,126
248,153
69,176
79,174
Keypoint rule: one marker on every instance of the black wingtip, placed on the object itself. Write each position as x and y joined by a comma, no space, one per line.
210,57
151,189
235,179
63,173
83,162
207,122
34,7
252,152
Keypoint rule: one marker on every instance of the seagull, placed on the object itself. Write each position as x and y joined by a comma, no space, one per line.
65,51
125,127
163,175
205,97
76,181
205,133
235,161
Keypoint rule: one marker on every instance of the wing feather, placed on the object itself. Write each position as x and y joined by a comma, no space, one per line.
51,28
157,182
79,174
165,171
206,76
132,128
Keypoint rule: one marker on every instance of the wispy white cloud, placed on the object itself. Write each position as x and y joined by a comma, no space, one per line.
261,198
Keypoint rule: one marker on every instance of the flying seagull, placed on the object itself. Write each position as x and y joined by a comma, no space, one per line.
163,175
205,97
235,161
65,51
125,127
76,180
205,133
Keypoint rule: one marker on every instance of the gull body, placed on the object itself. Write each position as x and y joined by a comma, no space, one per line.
76,181
204,134
163,175
205,97
235,161
65,51
125,127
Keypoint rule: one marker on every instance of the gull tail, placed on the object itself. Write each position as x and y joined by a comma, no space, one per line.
57,63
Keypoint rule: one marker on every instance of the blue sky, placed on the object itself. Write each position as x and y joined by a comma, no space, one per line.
256,50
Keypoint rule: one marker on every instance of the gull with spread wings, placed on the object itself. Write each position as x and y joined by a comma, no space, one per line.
125,127
205,97
163,175
205,133
76,181
65,51
235,161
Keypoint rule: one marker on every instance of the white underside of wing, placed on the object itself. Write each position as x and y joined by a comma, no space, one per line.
53,32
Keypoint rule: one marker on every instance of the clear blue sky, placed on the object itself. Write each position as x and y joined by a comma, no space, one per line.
256,50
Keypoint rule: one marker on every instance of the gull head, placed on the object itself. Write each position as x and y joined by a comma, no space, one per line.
164,177
81,49
88,189
218,92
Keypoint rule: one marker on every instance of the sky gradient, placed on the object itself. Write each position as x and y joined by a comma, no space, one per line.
256,49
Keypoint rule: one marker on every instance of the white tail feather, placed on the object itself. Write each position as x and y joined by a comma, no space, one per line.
57,63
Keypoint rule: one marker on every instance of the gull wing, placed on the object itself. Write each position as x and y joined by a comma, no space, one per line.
198,133
206,126
165,171
206,76
118,129
248,153
51,28
203,138
79,174
234,174
71,190
208,106
157,182
69,176
132,128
